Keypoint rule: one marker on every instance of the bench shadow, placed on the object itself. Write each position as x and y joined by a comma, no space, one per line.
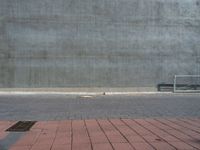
163,87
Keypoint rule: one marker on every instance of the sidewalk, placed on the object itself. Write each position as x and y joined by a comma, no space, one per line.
108,134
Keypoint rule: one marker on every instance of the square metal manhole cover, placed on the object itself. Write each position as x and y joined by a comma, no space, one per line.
21,126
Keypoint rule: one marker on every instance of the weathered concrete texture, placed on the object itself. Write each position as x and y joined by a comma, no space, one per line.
93,43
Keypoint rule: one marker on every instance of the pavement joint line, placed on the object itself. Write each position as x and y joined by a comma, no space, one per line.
150,143
124,136
101,128
153,132
88,134
178,137
128,125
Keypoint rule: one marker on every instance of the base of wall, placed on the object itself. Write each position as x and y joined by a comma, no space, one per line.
96,90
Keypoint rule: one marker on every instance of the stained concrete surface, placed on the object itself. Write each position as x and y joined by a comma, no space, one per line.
10,139
92,43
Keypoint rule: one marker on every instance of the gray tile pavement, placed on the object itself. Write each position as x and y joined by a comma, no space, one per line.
59,107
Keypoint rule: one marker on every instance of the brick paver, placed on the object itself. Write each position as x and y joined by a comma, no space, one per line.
109,134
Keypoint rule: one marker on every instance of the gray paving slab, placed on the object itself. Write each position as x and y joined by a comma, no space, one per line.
59,107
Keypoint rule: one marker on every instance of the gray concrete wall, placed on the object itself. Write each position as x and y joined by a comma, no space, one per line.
97,43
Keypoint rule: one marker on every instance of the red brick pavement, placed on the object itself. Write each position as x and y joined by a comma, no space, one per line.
109,134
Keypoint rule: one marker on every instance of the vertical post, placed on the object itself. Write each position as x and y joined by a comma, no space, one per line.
174,83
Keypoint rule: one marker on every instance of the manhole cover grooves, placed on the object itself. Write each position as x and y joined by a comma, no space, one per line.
21,126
